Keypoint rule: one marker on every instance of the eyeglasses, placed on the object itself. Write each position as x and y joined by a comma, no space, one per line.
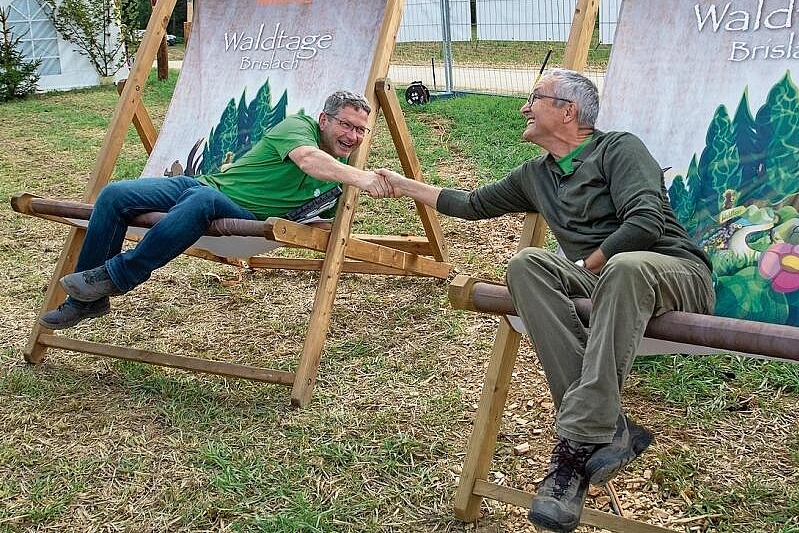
348,127
537,96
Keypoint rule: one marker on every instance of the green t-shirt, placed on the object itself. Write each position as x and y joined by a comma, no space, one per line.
264,180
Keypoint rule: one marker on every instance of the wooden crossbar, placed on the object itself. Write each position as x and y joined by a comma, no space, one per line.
195,364
397,255
722,333
590,517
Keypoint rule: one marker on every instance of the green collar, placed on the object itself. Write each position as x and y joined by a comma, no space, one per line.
566,163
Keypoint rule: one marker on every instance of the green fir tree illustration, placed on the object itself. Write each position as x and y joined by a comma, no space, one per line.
750,147
240,127
782,151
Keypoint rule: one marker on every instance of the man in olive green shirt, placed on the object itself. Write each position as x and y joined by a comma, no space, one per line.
604,198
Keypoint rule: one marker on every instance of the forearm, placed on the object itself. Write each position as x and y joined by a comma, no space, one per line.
325,167
418,190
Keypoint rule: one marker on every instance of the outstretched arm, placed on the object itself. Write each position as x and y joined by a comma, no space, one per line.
321,165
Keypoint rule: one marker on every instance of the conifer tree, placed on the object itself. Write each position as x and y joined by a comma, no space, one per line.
18,75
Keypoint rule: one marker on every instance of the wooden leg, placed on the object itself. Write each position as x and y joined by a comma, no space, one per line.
486,424
319,322
35,351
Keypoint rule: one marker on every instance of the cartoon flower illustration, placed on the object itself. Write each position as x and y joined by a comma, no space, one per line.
780,265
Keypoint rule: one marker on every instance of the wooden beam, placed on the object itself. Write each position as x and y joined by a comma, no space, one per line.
280,230
720,333
582,29
300,263
590,517
143,123
194,364
410,164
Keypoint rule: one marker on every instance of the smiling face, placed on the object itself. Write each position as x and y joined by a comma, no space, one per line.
545,114
343,132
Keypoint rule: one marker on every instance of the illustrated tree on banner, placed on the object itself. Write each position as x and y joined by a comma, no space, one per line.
740,202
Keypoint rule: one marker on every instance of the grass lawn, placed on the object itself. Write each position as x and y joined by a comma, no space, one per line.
95,444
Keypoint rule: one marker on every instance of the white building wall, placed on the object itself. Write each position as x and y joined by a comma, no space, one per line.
76,69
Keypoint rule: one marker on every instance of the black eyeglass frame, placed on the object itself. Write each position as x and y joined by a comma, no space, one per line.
537,96
360,130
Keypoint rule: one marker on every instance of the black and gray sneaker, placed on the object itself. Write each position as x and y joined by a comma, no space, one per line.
558,504
628,443
89,285
72,311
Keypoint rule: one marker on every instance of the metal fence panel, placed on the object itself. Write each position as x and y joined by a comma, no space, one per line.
524,20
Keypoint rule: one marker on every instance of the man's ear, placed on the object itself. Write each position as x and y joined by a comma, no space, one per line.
569,112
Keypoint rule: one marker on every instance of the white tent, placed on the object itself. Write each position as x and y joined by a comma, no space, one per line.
62,66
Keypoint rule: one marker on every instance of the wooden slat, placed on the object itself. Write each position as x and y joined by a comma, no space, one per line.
590,517
195,364
301,263
317,239
412,244
410,164
143,123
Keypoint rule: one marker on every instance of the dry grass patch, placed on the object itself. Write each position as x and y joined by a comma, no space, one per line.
94,444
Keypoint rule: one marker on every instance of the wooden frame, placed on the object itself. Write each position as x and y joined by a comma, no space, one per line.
343,251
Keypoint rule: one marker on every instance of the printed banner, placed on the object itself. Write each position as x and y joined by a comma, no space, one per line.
249,63
710,88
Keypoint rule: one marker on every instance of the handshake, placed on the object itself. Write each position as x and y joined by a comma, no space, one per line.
384,183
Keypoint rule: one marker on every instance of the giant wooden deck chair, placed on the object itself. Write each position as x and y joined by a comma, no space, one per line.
745,183
242,53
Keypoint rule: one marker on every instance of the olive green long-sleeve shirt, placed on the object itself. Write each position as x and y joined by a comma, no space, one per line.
615,199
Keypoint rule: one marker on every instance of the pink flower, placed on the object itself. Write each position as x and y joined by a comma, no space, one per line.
780,265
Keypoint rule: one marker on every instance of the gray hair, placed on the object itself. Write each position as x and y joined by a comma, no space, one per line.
340,99
573,86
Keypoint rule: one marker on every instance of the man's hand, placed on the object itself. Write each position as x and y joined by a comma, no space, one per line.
402,186
596,261
376,185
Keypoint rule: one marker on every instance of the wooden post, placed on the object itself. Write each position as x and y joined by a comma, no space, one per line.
319,321
162,56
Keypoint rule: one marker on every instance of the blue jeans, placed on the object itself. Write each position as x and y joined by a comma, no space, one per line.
190,208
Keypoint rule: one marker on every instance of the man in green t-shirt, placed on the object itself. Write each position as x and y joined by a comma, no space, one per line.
603,196
297,161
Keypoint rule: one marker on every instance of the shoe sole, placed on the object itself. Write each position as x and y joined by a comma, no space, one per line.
545,522
641,439
65,325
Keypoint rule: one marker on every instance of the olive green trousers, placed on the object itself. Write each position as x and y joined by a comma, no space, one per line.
586,366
